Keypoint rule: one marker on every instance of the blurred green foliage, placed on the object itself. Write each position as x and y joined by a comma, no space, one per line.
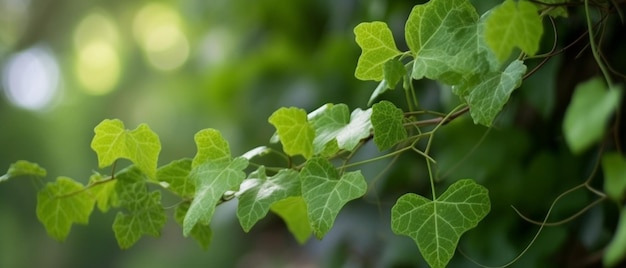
245,59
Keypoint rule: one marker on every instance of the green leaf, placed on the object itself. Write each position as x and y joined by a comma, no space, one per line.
586,117
176,175
294,131
325,193
61,204
393,72
436,226
23,168
112,142
143,213
555,11
490,92
616,250
443,36
201,233
212,180
103,191
293,211
211,147
335,124
377,45
258,151
614,168
387,122
513,24
259,192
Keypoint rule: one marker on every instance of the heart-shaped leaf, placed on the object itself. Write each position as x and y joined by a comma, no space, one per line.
436,226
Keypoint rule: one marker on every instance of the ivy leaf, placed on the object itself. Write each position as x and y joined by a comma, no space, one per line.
201,233
325,193
377,45
257,151
211,147
23,168
259,192
490,92
294,131
393,72
334,124
614,168
103,191
443,36
436,226
61,204
513,24
293,211
141,145
143,213
387,123
554,10
176,175
212,180
587,114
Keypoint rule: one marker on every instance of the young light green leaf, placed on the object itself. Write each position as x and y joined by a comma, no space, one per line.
554,10
490,92
61,204
294,131
436,226
258,192
442,34
614,168
616,251
112,142
201,233
176,175
103,191
143,213
377,45
587,115
23,168
293,211
325,193
211,147
513,24
212,180
334,123
387,124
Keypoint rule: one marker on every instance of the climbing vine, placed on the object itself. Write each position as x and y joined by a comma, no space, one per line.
481,59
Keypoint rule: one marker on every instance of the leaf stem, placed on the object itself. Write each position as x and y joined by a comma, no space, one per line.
594,49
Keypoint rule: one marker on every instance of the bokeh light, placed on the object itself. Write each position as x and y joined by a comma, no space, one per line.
97,65
31,78
157,29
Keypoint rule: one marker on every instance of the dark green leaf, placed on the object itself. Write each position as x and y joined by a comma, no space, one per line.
387,122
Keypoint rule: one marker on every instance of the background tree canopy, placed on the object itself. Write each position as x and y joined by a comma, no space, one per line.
188,65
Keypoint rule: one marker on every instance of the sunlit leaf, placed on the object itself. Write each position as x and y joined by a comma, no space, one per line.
61,204
336,124
377,45
201,233
294,131
387,123
212,180
23,168
436,226
141,145
176,174
143,213
614,168
257,151
211,146
513,24
293,211
103,191
490,92
325,193
587,114
258,192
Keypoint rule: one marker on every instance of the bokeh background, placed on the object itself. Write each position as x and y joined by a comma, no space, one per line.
181,66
